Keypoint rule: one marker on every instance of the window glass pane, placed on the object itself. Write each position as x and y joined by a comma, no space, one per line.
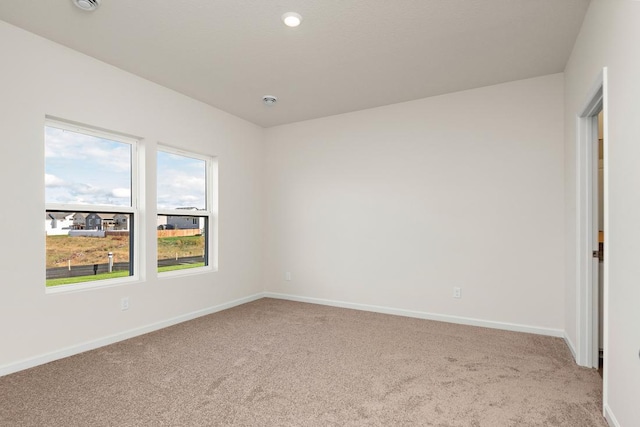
182,242
87,246
85,169
181,182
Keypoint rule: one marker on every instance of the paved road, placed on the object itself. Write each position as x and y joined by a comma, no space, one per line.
88,270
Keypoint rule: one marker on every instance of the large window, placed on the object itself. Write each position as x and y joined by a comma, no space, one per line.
90,204
184,209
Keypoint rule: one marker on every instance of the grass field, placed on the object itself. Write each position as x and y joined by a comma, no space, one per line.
94,250
102,276
92,278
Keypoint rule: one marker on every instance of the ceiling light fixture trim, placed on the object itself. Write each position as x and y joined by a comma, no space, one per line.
87,5
291,19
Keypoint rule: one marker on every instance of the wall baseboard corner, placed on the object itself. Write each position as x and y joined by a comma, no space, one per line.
423,315
571,346
609,417
111,339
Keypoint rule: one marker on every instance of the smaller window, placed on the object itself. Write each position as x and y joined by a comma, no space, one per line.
183,210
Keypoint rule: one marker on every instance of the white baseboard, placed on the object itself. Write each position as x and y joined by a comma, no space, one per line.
423,315
571,346
90,345
608,415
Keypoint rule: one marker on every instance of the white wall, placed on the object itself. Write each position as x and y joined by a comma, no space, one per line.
609,37
39,78
395,206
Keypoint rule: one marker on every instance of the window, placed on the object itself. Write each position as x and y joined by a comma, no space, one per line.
184,209
90,204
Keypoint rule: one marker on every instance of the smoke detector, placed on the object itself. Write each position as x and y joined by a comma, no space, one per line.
88,5
269,100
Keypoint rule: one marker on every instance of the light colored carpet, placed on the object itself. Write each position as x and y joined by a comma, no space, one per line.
281,363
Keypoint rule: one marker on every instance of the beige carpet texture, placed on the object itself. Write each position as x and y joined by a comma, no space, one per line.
283,363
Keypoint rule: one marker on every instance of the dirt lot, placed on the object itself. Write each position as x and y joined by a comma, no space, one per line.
94,250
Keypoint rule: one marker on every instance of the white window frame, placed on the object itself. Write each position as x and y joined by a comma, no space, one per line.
131,210
211,185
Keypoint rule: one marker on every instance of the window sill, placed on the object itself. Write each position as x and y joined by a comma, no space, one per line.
186,272
87,286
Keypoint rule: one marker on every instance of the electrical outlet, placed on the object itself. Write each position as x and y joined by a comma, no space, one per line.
124,304
457,292
287,275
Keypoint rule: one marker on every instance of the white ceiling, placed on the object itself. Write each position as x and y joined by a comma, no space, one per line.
347,55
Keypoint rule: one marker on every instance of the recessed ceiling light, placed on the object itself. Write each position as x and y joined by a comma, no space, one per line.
291,19
87,5
269,100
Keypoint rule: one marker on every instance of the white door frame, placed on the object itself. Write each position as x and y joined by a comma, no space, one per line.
587,226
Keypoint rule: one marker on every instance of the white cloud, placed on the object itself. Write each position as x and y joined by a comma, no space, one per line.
104,153
181,181
85,194
52,181
121,192
82,169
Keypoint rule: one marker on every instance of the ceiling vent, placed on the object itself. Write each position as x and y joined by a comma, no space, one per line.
87,5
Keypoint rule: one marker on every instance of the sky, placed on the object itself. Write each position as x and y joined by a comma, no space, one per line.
181,181
83,169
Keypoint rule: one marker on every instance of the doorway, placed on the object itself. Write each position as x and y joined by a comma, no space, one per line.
599,200
592,226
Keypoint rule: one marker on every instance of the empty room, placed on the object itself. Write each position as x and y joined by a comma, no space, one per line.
320,213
